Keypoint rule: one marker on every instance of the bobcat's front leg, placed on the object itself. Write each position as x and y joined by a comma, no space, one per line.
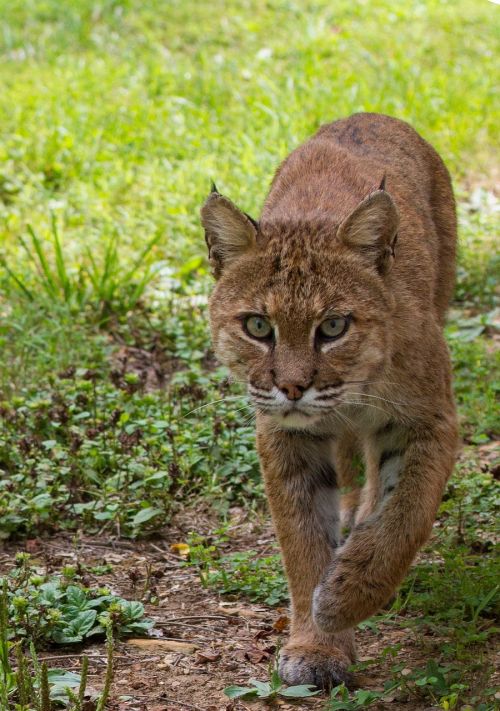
377,554
304,499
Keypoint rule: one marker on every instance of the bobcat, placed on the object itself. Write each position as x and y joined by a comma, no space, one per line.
330,307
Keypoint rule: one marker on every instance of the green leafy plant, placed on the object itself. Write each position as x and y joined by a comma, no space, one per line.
436,684
257,578
32,684
272,689
342,700
56,610
98,449
267,690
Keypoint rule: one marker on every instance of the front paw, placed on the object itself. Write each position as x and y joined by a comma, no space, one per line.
321,666
346,597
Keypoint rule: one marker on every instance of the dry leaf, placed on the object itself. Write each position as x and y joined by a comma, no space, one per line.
256,655
181,549
281,623
263,634
207,655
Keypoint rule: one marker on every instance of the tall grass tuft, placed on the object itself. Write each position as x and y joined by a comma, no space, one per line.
104,284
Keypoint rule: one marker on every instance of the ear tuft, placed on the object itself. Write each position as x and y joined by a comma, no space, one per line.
229,232
371,228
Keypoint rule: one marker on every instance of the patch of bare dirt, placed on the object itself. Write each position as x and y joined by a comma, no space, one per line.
204,641
152,365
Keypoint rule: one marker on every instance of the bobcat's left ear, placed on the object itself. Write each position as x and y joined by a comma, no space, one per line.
229,232
371,229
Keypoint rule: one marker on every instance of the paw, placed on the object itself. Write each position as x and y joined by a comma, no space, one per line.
321,666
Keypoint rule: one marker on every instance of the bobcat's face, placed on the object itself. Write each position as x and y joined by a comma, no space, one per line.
306,328
301,312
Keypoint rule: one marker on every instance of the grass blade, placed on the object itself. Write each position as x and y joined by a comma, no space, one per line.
48,277
64,280
16,279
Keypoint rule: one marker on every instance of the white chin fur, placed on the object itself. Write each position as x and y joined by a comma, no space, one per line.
295,420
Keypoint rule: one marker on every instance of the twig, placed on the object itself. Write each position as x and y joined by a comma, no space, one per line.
172,639
183,703
60,657
206,617
174,623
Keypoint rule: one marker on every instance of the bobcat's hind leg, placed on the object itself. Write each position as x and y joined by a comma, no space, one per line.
304,498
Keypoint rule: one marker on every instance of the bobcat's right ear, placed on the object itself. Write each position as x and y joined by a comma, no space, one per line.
371,229
229,232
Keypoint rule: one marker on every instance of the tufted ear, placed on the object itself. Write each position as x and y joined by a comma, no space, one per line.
371,229
229,232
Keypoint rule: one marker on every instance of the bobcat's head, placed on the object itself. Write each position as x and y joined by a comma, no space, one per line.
301,312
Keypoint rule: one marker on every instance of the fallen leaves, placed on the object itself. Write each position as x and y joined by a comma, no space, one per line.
281,624
256,654
203,656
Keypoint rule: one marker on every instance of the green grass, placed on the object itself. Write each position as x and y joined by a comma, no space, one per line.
115,117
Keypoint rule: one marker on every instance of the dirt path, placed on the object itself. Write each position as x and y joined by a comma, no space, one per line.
206,642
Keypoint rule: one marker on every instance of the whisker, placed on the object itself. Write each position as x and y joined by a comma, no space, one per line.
320,407
366,404
213,402
346,420
249,420
370,382
377,397
245,407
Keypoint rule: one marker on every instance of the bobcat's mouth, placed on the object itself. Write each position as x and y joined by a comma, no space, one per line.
291,417
302,413
295,418
294,409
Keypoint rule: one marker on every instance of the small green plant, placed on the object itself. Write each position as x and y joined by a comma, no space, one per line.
442,686
94,447
32,684
259,579
8,682
60,610
272,689
342,700
109,668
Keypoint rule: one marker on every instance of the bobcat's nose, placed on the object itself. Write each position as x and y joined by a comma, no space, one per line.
292,391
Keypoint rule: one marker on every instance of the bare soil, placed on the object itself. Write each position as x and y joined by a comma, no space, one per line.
205,641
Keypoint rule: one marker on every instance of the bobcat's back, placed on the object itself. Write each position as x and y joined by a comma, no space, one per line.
333,171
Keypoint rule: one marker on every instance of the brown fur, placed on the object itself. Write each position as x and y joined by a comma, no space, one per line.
359,223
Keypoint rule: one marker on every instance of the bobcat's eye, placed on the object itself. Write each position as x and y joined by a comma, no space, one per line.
333,327
258,327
